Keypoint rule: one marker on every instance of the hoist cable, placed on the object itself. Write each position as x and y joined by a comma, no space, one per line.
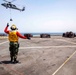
10,15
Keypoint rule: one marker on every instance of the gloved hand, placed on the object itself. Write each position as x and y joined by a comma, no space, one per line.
28,38
7,24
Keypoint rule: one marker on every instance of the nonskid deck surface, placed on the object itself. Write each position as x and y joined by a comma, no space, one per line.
40,56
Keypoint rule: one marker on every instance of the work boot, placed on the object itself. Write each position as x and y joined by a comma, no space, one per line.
15,60
11,59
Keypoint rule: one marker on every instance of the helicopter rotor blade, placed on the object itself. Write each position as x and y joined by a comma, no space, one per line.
13,0
5,1
9,1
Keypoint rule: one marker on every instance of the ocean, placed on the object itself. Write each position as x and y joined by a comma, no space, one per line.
34,34
37,34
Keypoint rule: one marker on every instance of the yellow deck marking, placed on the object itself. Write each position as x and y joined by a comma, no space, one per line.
64,63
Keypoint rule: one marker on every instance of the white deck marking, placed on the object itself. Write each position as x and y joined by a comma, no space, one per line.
3,42
66,41
64,63
46,47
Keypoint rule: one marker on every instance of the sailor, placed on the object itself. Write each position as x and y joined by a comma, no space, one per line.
13,37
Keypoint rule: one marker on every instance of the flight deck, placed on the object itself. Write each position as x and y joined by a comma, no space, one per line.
40,56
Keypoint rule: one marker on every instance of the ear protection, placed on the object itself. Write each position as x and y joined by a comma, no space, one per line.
13,27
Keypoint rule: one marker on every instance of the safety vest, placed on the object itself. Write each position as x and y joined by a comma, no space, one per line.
13,36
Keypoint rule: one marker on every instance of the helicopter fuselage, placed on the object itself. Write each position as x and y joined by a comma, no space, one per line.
12,6
9,5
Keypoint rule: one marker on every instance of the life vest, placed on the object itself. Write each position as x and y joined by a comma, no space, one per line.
13,36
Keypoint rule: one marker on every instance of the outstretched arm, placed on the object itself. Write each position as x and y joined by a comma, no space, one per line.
21,36
6,29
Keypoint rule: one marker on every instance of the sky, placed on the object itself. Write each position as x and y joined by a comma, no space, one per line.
40,16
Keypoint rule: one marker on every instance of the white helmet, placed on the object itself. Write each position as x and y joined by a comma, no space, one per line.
13,27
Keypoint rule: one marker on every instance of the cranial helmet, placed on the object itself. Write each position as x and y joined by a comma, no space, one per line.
13,27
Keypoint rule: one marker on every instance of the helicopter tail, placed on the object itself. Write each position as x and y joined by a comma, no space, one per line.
23,9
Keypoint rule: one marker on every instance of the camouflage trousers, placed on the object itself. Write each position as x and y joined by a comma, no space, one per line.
13,48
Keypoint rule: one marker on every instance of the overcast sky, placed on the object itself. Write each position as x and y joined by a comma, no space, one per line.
41,16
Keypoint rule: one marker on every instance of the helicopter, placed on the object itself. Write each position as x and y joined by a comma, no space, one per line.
9,4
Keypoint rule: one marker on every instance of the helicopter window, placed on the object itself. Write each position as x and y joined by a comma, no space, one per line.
9,5
13,5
